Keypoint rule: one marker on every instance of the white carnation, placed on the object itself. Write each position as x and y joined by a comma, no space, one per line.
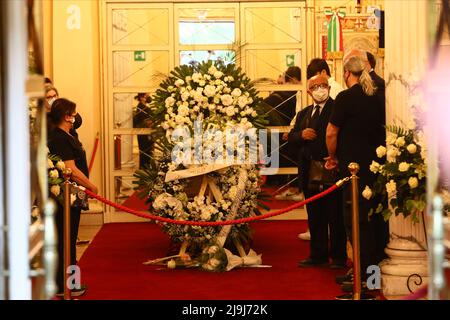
55,189
202,83
209,91
381,151
367,193
412,148
50,164
226,99
183,111
413,182
391,138
218,74
170,101
185,95
403,166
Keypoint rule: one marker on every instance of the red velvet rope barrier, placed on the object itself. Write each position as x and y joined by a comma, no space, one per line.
209,223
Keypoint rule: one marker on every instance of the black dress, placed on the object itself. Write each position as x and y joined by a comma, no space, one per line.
359,119
67,147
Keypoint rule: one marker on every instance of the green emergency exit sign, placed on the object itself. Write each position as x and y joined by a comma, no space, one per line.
290,60
139,56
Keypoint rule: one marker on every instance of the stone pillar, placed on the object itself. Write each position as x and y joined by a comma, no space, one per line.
406,57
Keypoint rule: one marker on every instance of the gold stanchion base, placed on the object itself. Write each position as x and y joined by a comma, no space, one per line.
349,296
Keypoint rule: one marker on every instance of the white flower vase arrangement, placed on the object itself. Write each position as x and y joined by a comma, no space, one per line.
400,188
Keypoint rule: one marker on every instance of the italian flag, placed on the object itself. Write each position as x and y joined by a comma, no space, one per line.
335,42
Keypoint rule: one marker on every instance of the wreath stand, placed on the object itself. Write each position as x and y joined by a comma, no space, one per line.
209,189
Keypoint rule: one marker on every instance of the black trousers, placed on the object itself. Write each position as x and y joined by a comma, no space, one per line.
367,230
74,224
145,144
323,213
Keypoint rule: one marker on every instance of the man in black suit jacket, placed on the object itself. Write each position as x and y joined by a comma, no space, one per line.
308,135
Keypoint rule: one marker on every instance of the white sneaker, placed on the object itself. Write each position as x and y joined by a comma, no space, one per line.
305,236
285,195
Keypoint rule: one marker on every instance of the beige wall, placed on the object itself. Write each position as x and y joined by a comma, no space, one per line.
74,67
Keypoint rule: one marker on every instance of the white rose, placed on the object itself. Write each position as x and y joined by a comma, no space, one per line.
50,164
242,102
381,151
403,166
229,111
209,91
226,99
218,74
170,102
374,167
196,77
179,82
60,165
202,83
400,142
391,188
236,92
413,182
53,174
412,148
185,95
391,154
226,90
179,119
55,189
367,193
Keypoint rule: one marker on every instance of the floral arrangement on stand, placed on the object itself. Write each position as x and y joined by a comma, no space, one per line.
400,185
219,97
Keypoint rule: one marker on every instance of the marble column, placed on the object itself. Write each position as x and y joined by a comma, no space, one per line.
406,56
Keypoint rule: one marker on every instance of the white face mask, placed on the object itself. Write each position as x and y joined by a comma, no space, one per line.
320,95
50,101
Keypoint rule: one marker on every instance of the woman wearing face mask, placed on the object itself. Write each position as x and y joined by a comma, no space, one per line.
67,146
308,135
353,134
51,94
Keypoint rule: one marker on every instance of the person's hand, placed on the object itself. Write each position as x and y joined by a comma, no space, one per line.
308,134
285,136
331,163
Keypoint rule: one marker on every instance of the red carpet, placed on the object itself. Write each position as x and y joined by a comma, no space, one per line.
112,268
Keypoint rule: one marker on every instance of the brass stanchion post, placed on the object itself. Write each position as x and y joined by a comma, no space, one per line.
354,169
357,295
67,261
